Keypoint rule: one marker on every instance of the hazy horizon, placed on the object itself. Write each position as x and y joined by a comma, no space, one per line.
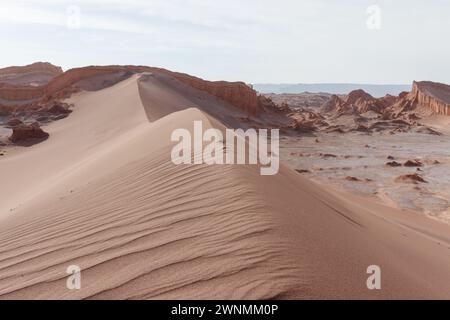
376,90
289,41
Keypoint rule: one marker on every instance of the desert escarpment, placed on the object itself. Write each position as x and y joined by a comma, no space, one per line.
237,94
36,74
426,98
14,94
34,67
21,85
433,96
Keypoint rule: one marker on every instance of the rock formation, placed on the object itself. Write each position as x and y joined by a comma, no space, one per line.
425,96
43,67
411,178
335,103
356,102
433,96
20,94
36,74
237,94
28,134
14,122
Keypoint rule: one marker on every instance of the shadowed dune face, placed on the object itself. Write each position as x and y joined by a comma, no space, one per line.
162,95
103,194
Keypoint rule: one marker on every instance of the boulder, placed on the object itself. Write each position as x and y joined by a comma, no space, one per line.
28,134
58,109
413,163
394,164
353,179
411,178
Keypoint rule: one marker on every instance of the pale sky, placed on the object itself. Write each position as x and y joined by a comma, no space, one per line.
260,41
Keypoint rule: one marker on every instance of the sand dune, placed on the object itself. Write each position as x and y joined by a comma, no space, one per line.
103,194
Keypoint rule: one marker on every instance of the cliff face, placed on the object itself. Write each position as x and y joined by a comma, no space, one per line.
62,84
19,93
69,78
432,95
43,67
426,94
236,93
26,82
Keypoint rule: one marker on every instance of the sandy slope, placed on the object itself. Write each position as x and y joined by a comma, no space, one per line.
103,194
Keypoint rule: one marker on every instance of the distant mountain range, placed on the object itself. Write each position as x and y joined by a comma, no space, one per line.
376,90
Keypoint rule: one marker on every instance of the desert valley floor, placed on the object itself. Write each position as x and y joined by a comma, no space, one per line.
358,163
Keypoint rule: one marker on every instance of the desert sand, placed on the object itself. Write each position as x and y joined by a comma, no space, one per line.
103,194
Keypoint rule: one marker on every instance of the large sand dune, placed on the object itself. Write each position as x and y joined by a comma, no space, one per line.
102,193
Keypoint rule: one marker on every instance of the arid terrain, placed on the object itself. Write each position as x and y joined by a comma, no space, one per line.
385,148
87,180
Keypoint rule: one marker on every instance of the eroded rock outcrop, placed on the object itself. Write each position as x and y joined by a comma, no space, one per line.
237,94
356,102
23,84
426,94
43,67
28,134
335,103
411,178
14,122
36,74
432,95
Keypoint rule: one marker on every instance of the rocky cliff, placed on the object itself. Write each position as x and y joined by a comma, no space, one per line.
21,84
17,94
427,95
43,67
237,94
432,95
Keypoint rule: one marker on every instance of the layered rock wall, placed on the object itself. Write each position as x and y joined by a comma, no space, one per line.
43,67
237,94
434,96
20,93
